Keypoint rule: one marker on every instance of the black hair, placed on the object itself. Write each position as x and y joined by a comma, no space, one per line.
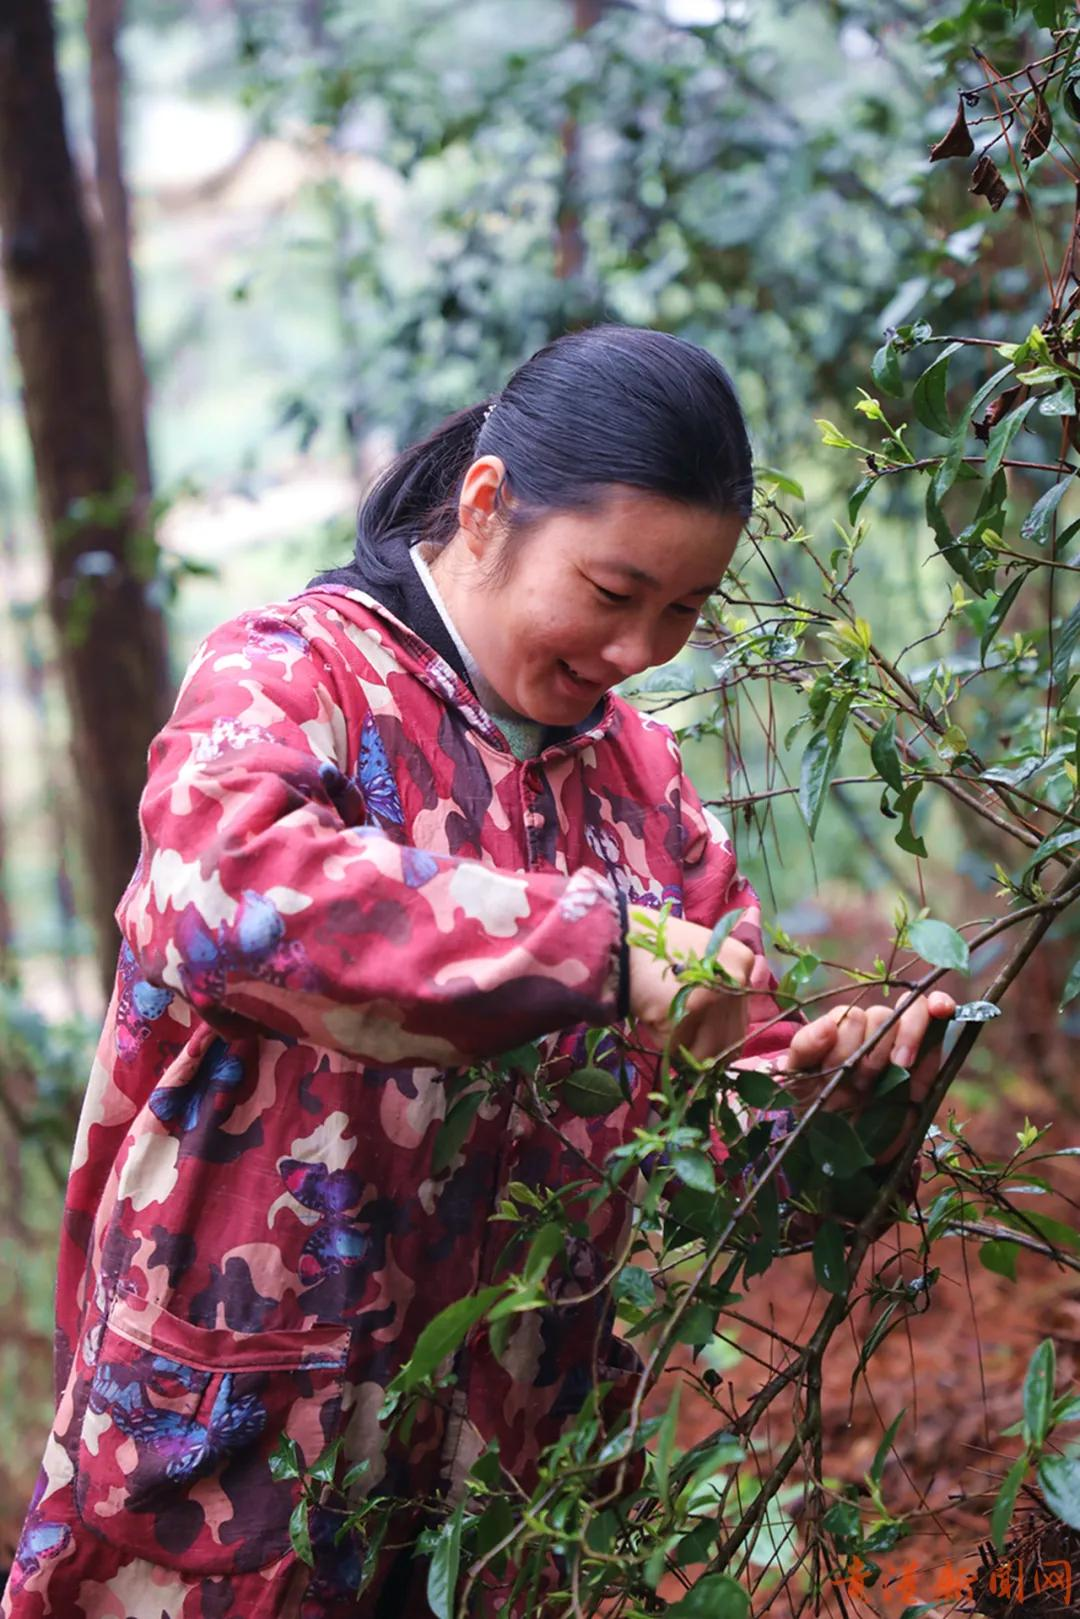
607,405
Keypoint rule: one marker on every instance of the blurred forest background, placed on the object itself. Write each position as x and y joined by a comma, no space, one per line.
315,227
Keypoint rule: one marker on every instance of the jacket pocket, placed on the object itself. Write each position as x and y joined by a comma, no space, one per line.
178,1429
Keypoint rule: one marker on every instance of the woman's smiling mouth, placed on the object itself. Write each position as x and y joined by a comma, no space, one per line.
578,682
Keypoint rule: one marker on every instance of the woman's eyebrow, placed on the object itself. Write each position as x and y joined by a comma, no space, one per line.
640,577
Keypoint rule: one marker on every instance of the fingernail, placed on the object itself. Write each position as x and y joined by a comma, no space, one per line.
903,1057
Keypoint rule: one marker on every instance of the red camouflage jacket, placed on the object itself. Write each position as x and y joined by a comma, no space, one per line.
348,887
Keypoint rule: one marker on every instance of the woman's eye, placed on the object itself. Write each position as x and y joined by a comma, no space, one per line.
609,595
687,612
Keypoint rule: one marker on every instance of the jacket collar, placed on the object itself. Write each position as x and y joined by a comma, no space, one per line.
399,598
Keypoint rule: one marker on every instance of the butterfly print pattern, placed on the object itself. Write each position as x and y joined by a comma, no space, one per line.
139,1005
349,889
377,779
180,1446
336,1242
220,1071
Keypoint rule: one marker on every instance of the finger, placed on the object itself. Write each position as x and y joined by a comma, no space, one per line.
810,1046
940,1004
736,959
850,1032
913,1024
714,1024
880,1055
847,1024
714,1041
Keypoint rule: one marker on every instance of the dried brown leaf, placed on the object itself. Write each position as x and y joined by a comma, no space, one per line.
1040,130
986,182
1000,407
957,142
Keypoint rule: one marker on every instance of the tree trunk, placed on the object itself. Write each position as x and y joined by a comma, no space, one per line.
111,640
569,238
7,943
115,277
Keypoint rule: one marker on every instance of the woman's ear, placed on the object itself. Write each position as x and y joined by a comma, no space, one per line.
476,508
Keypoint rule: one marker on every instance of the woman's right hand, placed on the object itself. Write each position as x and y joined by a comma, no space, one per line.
713,1020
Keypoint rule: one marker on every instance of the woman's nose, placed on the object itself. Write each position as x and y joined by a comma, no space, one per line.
631,651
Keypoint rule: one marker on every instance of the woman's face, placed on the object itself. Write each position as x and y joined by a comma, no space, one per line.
587,600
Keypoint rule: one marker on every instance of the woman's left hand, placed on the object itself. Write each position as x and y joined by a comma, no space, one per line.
830,1041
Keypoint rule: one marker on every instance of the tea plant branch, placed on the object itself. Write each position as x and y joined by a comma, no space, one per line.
988,1229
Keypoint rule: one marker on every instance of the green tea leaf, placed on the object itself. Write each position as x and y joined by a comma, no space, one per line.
948,543
495,1524
634,1285
929,397
717,1596
757,1090
782,480
999,1257
999,611
453,1130
697,1325
445,1562
881,1454
694,1169
939,944
542,1250
287,1460
885,370
1062,403
1001,1516
721,931
907,838
883,753
665,1444
835,1147
830,1260
324,1466
1049,846
818,768
1059,1480
891,1076
859,494
1065,646
1039,1393
300,1532
881,1123
1053,1232
1002,436
842,1521
1072,985
1037,524
443,1334
591,1092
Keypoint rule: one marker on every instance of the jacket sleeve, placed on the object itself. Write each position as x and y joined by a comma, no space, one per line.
713,886
265,895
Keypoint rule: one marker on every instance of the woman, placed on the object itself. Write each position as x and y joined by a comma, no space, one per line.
394,826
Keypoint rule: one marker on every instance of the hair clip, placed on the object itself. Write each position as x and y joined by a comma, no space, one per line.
487,412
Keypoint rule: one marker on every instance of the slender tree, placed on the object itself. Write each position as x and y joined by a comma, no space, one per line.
569,239
116,277
111,637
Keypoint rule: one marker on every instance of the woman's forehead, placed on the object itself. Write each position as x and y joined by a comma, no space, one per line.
656,544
